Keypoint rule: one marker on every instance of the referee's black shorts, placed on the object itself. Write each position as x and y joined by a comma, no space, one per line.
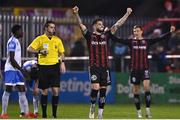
49,76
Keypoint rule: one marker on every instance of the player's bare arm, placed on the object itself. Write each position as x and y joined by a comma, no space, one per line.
32,50
165,36
121,21
172,29
62,65
16,65
76,13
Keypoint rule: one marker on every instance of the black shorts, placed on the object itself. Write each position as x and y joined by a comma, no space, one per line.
139,75
100,75
49,76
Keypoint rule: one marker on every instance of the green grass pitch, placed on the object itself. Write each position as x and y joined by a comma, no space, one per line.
112,111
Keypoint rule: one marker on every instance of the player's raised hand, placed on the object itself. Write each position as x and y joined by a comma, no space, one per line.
129,10
75,10
173,28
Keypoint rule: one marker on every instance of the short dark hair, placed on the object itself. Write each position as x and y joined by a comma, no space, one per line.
96,20
47,23
16,28
138,26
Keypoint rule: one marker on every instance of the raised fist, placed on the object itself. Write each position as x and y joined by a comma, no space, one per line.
173,28
75,10
129,10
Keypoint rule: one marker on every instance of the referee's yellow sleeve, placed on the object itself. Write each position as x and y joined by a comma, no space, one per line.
35,43
61,47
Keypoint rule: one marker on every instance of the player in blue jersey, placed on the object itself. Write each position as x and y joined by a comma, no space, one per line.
31,67
14,74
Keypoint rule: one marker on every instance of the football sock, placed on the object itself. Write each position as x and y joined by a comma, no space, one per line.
100,111
35,103
148,98
55,100
23,101
102,98
137,101
5,100
44,105
93,96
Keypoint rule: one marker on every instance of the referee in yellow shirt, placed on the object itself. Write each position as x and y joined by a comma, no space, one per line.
49,48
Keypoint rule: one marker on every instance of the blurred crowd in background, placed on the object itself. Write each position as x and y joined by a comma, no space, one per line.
75,44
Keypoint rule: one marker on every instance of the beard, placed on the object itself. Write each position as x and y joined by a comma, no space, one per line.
100,31
51,33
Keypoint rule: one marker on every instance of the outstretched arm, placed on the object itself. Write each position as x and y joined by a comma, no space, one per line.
120,21
120,40
162,37
81,25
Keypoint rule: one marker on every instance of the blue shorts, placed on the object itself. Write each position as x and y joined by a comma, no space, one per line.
13,78
30,84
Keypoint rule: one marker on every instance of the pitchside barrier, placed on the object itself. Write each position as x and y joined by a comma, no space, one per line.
75,88
165,88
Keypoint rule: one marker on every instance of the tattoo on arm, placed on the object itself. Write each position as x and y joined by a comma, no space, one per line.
82,26
78,18
119,23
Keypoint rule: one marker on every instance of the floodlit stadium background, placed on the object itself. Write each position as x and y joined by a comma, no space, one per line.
155,17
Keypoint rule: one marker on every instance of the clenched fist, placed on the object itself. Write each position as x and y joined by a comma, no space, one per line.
129,10
172,29
75,10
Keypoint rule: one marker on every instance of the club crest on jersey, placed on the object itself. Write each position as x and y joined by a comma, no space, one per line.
93,77
103,36
143,41
133,79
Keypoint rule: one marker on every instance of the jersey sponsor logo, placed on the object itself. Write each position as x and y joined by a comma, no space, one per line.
102,36
98,43
139,47
93,77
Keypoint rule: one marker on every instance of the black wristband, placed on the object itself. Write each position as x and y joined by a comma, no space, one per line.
62,60
39,51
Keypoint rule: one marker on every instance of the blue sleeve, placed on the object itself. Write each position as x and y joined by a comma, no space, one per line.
11,46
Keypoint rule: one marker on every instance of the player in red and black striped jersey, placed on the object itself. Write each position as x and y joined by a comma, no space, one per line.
139,47
97,42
